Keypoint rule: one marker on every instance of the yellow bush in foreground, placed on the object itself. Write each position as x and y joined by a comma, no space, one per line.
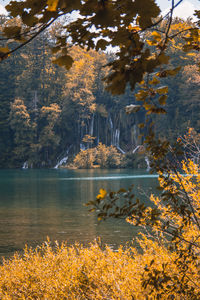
75,272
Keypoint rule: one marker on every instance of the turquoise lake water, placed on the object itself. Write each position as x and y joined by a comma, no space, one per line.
35,204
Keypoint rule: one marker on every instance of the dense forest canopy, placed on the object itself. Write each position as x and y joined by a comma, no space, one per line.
48,111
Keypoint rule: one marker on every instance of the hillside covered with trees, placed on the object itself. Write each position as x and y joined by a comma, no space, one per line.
47,112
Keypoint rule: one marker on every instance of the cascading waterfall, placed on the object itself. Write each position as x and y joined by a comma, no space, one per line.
148,163
110,122
111,129
25,165
135,134
91,129
115,135
136,148
63,160
116,138
97,129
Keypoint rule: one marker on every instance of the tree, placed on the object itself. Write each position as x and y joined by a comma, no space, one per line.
108,157
170,230
100,156
142,38
22,127
48,140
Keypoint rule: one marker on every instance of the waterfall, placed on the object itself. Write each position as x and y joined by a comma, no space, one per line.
135,134
148,163
63,160
136,149
91,129
111,130
116,136
25,165
122,151
110,122
97,129
115,142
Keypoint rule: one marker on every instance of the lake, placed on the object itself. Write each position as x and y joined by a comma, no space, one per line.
35,204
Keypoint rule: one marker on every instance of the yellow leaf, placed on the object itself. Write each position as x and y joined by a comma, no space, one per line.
156,35
162,99
141,125
162,90
151,43
191,54
154,81
52,5
173,71
163,58
4,50
141,95
147,106
102,194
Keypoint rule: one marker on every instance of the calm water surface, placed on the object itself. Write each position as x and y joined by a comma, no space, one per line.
35,204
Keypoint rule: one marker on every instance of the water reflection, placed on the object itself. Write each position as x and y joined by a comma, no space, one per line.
35,204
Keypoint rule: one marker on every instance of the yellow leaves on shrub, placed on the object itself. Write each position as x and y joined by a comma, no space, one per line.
70,272
74,272
102,194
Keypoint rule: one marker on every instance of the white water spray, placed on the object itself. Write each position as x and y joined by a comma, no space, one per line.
63,160
91,130
148,163
25,165
136,149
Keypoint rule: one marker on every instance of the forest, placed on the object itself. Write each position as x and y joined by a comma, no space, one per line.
48,112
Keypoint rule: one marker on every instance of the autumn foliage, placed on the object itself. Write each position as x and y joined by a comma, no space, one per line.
101,156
